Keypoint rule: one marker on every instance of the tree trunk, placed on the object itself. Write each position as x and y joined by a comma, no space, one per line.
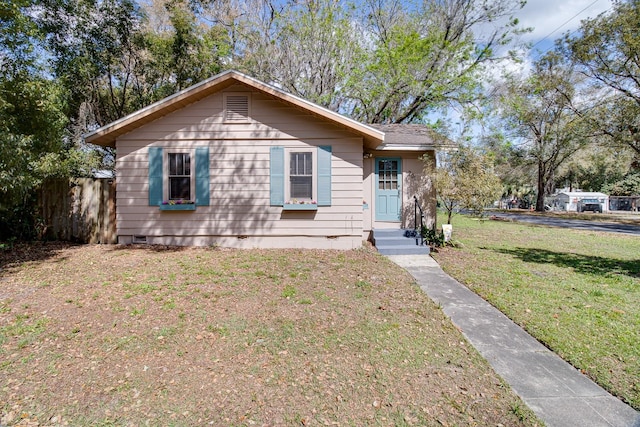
542,185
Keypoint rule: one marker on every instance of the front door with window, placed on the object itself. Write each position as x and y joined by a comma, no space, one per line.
388,189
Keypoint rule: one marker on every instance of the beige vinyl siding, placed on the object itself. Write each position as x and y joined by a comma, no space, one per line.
413,185
368,192
428,194
240,213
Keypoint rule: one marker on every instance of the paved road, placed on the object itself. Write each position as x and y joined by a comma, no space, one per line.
571,223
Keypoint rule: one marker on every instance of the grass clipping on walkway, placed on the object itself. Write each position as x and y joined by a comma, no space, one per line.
104,335
578,292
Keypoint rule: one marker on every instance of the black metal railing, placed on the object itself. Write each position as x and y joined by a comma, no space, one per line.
416,209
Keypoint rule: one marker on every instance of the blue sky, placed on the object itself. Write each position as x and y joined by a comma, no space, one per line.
552,18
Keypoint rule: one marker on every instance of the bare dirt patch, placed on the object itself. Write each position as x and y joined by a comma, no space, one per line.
109,335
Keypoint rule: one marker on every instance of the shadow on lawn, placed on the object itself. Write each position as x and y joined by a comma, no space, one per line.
588,264
22,252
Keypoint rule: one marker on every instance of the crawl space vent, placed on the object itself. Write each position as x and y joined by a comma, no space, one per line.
139,239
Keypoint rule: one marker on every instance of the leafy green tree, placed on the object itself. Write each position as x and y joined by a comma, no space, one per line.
464,179
628,186
112,62
511,166
606,51
595,167
18,35
378,61
426,56
93,48
541,112
32,125
196,50
35,128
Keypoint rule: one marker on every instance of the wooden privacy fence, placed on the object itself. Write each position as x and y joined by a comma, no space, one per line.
79,210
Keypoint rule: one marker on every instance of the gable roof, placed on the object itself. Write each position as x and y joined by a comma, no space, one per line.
106,135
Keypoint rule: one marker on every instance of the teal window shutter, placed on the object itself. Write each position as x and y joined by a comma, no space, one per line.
276,176
202,176
155,176
324,175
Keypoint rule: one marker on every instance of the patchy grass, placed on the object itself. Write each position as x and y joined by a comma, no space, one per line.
578,292
104,335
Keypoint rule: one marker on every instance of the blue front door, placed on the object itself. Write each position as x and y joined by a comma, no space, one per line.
388,189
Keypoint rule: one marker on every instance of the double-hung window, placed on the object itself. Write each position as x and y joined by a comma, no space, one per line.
301,175
180,176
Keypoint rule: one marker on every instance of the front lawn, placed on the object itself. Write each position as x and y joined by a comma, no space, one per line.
578,292
104,335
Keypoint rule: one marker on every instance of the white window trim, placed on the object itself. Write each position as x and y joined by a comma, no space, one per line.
165,171
238,118
287,173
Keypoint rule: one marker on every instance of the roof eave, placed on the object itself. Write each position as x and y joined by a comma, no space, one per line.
107,135
405,147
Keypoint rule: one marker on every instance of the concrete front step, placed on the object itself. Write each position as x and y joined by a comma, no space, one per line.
419,250
394,242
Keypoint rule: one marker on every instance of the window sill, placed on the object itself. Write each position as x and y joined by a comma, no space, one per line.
300,207
184,207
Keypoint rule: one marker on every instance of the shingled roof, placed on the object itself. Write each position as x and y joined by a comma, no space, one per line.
411,137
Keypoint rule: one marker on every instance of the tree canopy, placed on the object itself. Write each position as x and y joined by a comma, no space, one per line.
606,51
578,105
70,66
540,110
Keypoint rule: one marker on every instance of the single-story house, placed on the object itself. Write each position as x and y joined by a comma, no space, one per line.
577,201
235,162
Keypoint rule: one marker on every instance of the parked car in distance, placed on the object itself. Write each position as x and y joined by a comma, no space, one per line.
592,205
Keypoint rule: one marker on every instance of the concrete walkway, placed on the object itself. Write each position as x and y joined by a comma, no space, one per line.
558,393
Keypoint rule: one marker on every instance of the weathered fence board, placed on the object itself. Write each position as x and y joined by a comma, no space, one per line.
79,210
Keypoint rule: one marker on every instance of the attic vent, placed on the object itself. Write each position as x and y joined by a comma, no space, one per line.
236,108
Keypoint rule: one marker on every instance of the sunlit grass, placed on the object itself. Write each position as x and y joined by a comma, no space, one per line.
578,292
